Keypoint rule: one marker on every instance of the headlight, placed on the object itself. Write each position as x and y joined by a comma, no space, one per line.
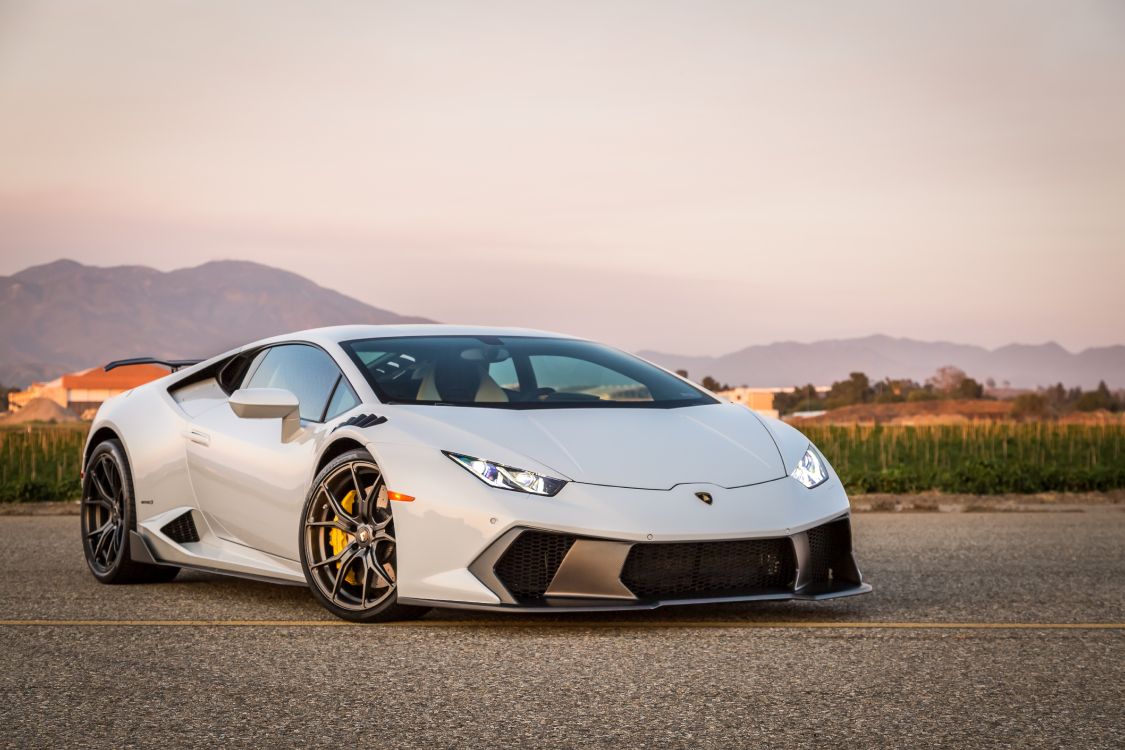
811,470
508,477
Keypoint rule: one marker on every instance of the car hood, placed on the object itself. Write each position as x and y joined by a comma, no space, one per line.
721,444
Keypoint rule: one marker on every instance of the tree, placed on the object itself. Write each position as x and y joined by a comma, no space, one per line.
1097,399
855,390
4,391
889,391
1060,400
713,385
682,373
947,379
969,388
1031,406
802,398
953,382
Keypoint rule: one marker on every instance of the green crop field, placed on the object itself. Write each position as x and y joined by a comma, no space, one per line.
982,458
42,462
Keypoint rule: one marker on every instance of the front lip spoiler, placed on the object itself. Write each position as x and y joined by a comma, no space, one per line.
603,605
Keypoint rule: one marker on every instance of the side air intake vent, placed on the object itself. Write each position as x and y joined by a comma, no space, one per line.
830,555
361,420
181,529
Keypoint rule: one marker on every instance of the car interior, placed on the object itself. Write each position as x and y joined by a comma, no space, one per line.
478,374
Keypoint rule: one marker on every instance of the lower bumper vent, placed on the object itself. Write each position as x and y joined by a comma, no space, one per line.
528,565
820,564
689,570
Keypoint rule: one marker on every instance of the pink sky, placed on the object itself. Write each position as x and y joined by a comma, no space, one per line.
684,176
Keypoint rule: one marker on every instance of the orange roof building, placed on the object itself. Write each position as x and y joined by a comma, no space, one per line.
84,391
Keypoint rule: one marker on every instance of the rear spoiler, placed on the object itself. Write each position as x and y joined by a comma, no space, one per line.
172,364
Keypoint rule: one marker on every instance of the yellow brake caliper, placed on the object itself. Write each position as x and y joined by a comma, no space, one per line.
338,539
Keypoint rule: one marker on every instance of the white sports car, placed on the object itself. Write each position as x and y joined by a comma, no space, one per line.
396,468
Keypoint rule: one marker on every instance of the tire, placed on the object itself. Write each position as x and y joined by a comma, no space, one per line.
347,543
109,513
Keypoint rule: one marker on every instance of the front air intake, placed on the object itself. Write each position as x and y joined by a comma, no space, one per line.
528,565
830,560
811,563
181,529
699,570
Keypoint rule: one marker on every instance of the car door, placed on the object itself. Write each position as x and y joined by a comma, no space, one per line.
248,480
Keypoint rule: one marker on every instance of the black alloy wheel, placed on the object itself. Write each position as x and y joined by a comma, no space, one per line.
108,515
348,544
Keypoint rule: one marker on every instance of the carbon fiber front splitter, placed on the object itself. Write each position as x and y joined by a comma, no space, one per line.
560,605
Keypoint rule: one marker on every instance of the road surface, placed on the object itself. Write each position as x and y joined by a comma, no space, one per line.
984,630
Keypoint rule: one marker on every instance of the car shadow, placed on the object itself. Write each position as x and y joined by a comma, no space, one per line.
297,603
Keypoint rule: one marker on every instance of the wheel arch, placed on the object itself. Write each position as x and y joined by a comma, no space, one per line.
335,449
97,437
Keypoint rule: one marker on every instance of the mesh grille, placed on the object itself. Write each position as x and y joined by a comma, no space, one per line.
686,570
181,529
829,547
528,565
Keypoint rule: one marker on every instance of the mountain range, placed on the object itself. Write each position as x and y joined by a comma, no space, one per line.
64,316
823,362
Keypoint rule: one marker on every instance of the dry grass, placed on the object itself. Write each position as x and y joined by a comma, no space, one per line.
918,412
41,461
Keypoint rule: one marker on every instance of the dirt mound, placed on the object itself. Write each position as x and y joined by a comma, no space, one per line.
915,412
39,410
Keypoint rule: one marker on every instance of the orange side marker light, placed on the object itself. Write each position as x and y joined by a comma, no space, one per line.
399,497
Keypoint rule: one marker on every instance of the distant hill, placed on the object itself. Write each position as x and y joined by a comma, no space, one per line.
64,315
822,362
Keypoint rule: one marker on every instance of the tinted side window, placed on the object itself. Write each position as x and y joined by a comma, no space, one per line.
306,371
504,374
343,399
255,363
234,372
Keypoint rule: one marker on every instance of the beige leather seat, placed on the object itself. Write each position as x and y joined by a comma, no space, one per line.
489,391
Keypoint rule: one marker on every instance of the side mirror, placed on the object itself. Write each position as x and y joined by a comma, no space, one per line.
269,403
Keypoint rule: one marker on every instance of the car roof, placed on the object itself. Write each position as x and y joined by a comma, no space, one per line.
330,336
336,334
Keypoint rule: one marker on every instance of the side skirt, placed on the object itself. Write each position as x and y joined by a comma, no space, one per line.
140,551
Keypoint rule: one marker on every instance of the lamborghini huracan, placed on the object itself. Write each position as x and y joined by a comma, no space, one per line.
392,469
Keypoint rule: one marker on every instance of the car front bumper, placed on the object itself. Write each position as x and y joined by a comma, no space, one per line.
592,547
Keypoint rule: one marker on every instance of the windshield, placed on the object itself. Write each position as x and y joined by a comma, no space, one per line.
519,372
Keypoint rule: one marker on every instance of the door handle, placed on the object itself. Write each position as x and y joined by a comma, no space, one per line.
198,436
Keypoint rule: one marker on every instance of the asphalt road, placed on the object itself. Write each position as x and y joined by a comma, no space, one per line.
985,630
